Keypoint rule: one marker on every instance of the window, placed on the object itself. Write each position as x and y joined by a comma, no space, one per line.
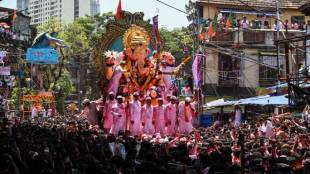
268,75
229,70
298,19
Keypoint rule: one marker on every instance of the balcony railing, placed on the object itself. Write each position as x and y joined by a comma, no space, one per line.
252,37
229,78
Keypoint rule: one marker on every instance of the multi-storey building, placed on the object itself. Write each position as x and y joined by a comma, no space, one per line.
66,10
242,58
22,4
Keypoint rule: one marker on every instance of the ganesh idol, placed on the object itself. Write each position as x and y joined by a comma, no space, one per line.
131,70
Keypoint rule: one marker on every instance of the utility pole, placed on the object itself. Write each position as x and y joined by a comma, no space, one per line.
278,37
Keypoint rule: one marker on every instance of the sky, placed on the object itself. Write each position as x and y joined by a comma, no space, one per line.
168,17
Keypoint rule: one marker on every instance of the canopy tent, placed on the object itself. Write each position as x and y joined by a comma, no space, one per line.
265,100
250,12
259,100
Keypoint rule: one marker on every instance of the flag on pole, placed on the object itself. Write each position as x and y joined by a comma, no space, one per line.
119,15
213,27
230,21
197,70
156,31
14,16
202,36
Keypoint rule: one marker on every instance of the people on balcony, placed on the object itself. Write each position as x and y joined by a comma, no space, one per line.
244,23
281,26
258,23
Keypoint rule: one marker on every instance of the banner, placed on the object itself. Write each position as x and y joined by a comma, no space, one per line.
42,56
156,31
2,56
197,70
5,70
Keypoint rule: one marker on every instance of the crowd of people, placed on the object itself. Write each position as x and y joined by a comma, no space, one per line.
276,145
261,22
13,38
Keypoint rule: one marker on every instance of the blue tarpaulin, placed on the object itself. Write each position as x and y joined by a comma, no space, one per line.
265,100
259,100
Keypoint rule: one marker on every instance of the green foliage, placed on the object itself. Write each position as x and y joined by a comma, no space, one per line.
81,37
63,87
50,25
14,97
174,41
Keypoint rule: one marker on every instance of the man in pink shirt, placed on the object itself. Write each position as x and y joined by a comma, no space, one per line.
119,116
186,114
107,114
171,114
135,115
159,117
147,117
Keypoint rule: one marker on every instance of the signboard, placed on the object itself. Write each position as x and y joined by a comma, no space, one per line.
5,70
42,56
38,98
2,55
4,14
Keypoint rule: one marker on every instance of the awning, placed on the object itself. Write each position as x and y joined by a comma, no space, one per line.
284,85
252,12
219,103
265,100
259,100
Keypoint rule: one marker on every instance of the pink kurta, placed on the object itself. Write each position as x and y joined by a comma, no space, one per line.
171,115
159,117
135,118
119,118
167,78
108,117
185,126
147,119
114,82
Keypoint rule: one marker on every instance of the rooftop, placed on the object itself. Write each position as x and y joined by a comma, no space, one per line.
290,4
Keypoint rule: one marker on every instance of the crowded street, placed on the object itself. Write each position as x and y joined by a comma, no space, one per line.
154,87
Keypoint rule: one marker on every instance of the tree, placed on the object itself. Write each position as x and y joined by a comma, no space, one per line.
81,37
56,77
175,41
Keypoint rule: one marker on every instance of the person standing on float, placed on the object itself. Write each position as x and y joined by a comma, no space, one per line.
135,115
119,116
147,117
171,116
186,114
159,117
237,119
107,114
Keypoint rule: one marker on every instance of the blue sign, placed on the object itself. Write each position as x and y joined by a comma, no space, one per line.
42,56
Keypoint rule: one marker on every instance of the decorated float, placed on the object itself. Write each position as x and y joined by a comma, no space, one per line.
128,59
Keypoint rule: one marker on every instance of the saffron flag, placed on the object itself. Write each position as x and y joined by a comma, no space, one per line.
213,27
202,35
14,16
119,15
156,31
210,31
229,22
197,70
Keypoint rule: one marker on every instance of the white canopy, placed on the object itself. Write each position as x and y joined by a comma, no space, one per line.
259,100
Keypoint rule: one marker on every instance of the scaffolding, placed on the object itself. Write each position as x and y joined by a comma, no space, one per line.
296,73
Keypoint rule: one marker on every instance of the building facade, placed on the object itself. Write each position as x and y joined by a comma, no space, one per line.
66,10
244,56
22,4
